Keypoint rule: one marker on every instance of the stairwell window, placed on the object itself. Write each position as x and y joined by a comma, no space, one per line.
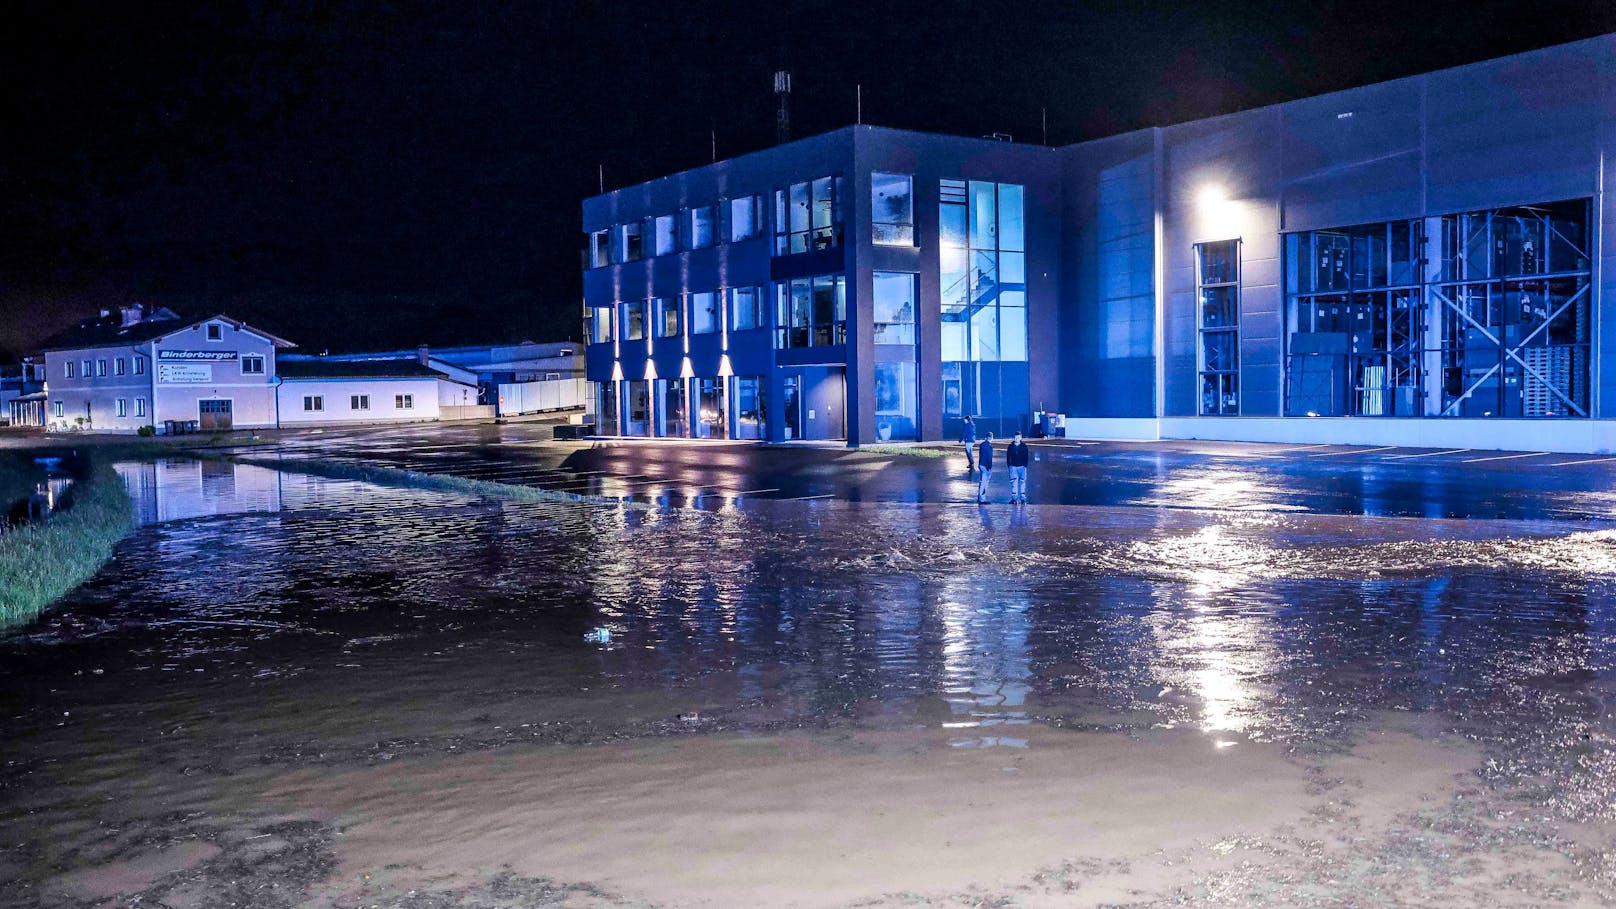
1217,296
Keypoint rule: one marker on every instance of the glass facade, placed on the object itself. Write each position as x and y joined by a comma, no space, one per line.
1475,314
808,216
983,276
811,312
670,396
709,402
1217,302
751,407
894,305
892,210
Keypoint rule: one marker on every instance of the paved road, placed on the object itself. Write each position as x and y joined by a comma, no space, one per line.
1373,480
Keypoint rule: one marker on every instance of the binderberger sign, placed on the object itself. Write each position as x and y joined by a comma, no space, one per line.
190,367
196,356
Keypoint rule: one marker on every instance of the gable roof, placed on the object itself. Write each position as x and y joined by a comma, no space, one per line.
321,368
109,331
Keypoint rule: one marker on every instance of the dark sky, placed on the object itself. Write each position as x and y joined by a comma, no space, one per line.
360,174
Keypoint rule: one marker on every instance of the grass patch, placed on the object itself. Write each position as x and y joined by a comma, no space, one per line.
913,451
394,476
41,562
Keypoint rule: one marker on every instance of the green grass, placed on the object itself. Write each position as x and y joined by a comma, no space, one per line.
393,476
913,451
41,562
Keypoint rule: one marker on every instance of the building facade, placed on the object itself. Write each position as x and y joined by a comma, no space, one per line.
1414,262
328,392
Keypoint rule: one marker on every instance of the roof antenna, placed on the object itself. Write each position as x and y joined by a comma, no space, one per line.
712,135
600,170
1043,113
782,117
859,116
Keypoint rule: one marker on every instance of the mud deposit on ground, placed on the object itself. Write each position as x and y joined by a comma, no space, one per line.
288,691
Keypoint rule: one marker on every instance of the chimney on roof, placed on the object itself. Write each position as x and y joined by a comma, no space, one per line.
424,354
132,314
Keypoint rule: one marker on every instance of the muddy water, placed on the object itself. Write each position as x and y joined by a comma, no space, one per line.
296,691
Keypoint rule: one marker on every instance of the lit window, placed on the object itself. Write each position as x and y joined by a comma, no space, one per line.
894,308
600,248
704,317
892,210
745,308
745,218
359,402
664,235
600,324
750,407
404,402
252,366
215,331
667,317
700,227
1217,292
313,403
807,216
811,312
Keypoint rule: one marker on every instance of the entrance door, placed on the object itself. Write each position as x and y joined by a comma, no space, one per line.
821,403
213,414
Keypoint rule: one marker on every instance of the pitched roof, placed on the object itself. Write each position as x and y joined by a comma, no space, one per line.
320,368
109,331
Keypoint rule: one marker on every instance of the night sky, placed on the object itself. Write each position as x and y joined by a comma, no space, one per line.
364,174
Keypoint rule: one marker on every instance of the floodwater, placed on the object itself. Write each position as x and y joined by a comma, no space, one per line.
287,690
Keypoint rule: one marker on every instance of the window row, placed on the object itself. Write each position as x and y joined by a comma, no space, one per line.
809,312
316,403
120,407
701,407
98,368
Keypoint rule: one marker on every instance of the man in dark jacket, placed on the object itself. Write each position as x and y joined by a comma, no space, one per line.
968,439
1016,456
984,459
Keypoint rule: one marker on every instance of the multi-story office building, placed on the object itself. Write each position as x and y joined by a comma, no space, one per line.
1414,262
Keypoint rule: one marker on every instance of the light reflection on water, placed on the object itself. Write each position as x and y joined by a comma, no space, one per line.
1272,627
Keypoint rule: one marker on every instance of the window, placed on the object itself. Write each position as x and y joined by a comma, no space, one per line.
215,331
140,407
634,320
664,235
312,403
746,308
638,410
982,263
709,401
252,365
69,370
1476,314
58,409
600,324
892,210
704,315
117,366
100,368
359,402
121,407
811,312
751,407
667,317
604,394
628,245
745,218
89,369
671,422
1217,303
140,366
807,216
700,227
403,402
600,248
894,305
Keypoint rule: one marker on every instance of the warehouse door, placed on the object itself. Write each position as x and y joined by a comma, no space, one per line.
213,414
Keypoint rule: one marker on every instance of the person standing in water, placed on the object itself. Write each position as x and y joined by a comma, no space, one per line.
968,439
1016,456
984,460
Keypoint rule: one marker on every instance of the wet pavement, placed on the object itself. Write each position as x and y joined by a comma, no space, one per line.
1213,675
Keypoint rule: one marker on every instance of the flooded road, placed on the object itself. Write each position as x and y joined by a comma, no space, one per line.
288,690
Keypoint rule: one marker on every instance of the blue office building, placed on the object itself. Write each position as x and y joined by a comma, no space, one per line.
1414,262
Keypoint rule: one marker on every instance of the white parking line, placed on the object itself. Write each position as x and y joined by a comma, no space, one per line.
1529,454
1337,454
1584,461
1427,454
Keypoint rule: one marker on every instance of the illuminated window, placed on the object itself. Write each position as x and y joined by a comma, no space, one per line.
1217,295
892,210
746,308
808,216
745,218
664,235
667,317
811,312
704,314
701,227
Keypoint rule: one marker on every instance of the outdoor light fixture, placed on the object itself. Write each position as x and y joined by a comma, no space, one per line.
685,370
724,369
617,371
1211,196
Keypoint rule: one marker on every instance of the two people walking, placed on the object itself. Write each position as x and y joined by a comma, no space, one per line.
980,456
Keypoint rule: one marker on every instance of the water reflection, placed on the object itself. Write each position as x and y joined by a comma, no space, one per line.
1272,627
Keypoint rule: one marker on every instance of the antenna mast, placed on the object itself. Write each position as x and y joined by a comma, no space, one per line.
782,116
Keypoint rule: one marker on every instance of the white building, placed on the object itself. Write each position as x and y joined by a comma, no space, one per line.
132,368
328,392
